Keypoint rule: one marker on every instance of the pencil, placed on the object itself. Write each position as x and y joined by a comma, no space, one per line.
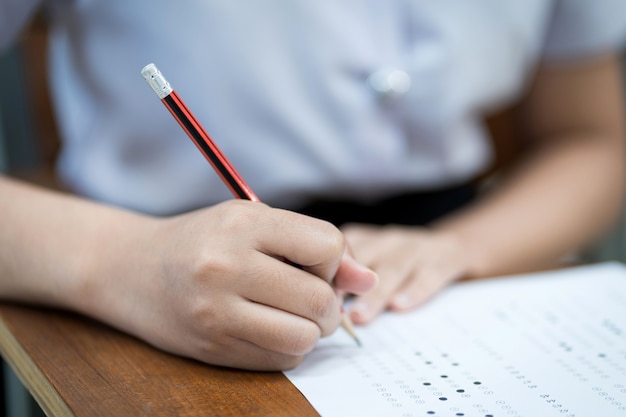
205,144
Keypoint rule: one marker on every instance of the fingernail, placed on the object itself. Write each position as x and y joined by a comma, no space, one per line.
359,311
376,278
402,301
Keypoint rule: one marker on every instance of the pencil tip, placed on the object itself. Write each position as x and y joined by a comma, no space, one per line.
346,323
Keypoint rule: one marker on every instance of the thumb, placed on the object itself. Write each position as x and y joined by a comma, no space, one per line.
353,277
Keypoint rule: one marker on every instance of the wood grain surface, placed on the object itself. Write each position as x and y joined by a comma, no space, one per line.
75,366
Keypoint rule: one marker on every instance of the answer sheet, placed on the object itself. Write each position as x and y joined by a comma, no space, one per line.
539,345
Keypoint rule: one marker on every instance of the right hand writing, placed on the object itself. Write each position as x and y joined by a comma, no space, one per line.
219,285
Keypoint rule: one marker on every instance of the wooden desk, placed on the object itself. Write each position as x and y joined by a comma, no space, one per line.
75,366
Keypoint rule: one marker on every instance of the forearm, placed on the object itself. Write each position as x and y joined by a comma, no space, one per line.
559,201
59,250
570,189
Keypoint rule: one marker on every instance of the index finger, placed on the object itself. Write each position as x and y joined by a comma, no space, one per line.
315,245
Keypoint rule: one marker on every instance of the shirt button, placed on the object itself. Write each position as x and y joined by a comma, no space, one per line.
389,83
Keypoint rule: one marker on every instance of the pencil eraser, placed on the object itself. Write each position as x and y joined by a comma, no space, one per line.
156,80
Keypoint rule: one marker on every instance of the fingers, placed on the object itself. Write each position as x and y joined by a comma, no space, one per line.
242,226
284,287
314,244
422,286
353,277
366,307
257,338
320,249
413,264
371,246
254,336
245,355
275,330
246,285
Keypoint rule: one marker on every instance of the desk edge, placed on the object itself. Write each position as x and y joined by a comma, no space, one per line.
30,375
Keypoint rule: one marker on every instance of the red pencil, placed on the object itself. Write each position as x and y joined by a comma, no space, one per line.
196,132
209,149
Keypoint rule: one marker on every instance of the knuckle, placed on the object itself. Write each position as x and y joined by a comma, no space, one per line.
329,327
290,362
207,321
237,214
322,303
302,341
210,268
335,240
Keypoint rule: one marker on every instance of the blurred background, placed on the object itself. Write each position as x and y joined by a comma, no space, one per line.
29,144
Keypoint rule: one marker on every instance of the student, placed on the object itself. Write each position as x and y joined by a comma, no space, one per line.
366,112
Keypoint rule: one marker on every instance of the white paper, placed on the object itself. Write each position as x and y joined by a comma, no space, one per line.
540,345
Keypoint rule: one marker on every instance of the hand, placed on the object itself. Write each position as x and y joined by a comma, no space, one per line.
413,265
225,291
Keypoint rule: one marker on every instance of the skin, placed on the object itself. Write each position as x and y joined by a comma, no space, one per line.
180,283
564,194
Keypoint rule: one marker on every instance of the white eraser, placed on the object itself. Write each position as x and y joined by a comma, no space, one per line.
156,80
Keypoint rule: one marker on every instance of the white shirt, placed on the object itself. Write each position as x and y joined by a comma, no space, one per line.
284,88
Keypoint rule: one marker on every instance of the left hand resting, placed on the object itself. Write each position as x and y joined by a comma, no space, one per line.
413,264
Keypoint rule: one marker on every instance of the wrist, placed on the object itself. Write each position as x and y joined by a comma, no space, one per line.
115,266
467,251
